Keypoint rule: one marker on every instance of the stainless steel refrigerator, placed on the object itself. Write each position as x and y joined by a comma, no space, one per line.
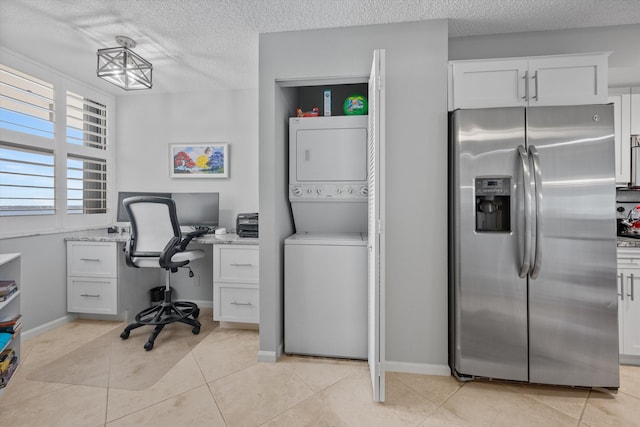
533,294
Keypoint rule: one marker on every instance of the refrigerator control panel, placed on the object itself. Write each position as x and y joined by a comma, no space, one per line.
493,204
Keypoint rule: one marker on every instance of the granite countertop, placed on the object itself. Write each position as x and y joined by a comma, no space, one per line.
628,242
103,236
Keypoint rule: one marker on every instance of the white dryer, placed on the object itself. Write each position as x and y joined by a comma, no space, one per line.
328,173
325,295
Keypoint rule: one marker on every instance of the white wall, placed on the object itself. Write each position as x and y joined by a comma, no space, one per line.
147,124
416,174
622,41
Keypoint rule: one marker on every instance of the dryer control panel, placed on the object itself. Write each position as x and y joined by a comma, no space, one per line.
325,192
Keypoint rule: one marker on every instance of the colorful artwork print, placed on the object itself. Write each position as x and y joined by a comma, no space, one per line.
199,161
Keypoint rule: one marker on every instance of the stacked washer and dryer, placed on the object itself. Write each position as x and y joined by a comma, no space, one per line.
325,283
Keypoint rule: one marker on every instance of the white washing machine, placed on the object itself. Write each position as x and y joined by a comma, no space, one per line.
325,295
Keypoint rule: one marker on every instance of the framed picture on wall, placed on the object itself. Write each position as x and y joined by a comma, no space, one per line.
206,160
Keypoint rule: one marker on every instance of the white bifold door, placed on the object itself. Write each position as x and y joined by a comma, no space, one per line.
375,157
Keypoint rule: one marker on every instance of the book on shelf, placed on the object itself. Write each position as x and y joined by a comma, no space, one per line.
6,376
8,295
4,290
5,338
10,321
5,359
12,329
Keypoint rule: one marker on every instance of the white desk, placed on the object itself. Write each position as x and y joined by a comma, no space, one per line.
97,272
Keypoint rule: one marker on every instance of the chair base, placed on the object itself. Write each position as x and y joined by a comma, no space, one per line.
162,314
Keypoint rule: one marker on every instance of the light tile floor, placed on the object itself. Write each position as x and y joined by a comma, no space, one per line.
220,383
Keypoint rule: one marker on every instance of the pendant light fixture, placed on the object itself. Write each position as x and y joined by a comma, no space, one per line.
123,67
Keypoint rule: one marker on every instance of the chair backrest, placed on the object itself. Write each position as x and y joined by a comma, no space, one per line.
153,224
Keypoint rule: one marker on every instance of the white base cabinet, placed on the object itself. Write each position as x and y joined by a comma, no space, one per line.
530,81
92,277
236,291
100,283
629,303
9,309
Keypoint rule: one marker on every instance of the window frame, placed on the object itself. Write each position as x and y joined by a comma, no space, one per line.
61,221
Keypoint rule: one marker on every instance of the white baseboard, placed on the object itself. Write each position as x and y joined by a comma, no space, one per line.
417,368
203,303
34,332
270,356
629,360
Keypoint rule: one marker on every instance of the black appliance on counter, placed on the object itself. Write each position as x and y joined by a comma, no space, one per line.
247,225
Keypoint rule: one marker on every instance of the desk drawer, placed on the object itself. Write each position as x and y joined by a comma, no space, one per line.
236,263
239,304
92,295
94,259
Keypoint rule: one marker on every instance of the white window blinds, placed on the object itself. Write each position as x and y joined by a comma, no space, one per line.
26,103
27,182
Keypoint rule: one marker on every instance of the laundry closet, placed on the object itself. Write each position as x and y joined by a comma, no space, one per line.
325,282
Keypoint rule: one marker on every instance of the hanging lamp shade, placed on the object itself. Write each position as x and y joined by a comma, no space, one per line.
123,67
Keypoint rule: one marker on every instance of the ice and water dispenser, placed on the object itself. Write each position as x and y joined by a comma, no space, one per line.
493,204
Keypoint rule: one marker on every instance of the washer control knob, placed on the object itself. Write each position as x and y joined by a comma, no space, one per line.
297,191
319,191
339,190
364,191
349,190
309,190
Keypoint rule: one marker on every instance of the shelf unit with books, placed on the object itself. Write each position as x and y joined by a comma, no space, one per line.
10,317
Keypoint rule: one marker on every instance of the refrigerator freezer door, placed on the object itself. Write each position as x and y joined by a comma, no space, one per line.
573,335
489,319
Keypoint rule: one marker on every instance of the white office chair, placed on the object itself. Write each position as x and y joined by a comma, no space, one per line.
156,241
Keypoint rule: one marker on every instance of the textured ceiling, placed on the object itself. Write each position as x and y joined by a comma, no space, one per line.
199,45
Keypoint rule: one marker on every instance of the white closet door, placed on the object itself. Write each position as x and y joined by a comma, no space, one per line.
375,158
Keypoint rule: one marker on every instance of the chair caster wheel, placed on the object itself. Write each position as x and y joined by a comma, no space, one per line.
148,346
124,335
196,330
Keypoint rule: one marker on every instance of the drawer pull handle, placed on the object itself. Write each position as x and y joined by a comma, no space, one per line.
90,259
240,303
241,265
90,295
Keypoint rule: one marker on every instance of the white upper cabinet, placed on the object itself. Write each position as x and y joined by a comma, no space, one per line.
626,102
635,111
621,115
533,81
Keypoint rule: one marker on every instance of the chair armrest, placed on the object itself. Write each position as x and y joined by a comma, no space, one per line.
189,237
170,249
127,252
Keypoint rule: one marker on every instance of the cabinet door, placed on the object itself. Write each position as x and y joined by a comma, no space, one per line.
635,111
629,305
92,259
568,80
487,84
621,107
235,263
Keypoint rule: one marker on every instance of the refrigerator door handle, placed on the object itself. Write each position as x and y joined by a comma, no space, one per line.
526,186
537,177
631,283
621,294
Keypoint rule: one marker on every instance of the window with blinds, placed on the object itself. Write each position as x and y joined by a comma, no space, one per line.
30,148
26,103
27,182
86,185
86,122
